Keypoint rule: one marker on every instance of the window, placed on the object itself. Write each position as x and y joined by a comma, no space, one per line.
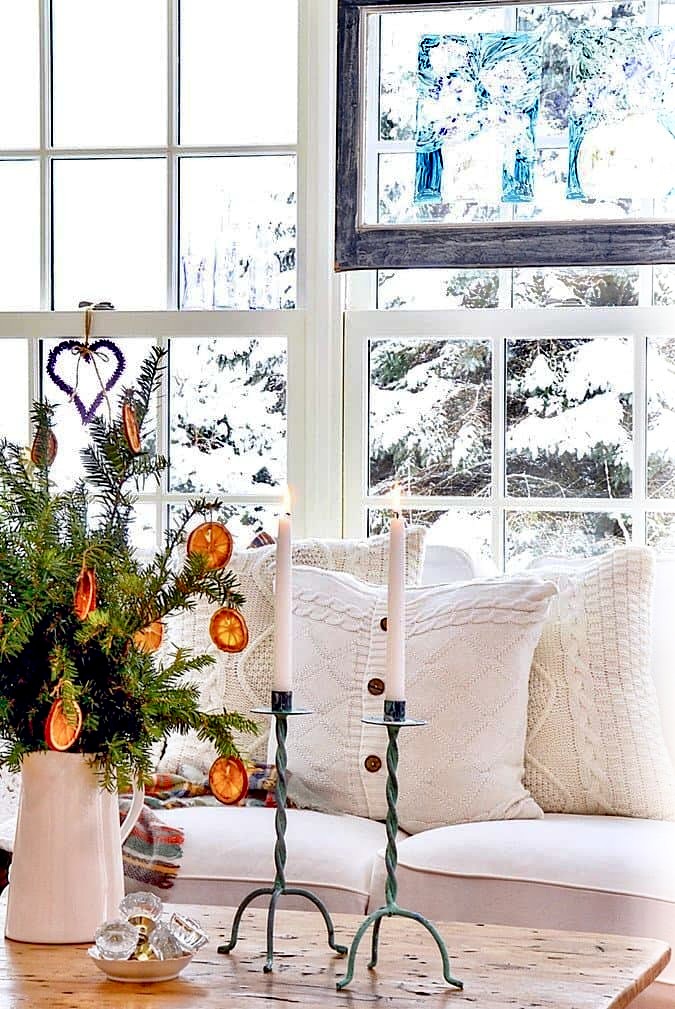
524,413
153,188
505,133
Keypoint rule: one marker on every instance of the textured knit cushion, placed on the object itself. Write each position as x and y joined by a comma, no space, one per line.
241,682
594,741
469,649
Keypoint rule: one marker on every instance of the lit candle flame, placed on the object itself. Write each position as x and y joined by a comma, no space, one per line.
396,499
287,500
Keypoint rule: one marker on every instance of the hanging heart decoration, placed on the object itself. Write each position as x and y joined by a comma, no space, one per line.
100,354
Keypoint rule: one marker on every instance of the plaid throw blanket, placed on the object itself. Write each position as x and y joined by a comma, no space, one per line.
153,851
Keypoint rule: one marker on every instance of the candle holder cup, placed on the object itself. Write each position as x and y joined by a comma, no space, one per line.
281,709
394,719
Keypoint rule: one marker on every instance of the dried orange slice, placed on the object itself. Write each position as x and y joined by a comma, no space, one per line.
60,731
228,780
214,541
85,593
149,638
228,630
130,425
44,448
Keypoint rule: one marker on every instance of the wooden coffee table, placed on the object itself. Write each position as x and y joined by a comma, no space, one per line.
500,967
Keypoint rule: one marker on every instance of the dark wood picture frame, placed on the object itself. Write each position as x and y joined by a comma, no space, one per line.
360,246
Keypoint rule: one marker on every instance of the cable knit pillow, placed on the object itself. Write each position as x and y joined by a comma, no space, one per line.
241,682
594,742
469,649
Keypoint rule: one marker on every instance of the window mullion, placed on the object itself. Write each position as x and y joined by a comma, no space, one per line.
639,497
498,449
172,182
46,273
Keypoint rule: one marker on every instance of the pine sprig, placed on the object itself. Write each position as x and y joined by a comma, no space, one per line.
129,699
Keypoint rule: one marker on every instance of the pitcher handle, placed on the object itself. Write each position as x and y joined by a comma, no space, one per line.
134,812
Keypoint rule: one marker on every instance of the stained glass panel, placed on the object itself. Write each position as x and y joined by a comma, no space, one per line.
553,112
622,112
484,86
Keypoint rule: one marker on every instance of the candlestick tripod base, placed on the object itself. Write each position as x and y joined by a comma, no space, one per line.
391,908
281,709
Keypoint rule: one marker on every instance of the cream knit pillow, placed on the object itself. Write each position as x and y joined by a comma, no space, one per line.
241,682
594,741
469,649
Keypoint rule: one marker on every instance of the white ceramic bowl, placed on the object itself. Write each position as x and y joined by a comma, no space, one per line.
140,971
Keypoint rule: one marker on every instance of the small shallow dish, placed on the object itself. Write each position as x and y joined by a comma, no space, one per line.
140,971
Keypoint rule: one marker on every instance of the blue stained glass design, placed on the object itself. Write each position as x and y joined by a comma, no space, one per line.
468,84
617,73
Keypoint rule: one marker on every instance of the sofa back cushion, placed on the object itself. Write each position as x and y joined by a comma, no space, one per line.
468,653
662,659
595,742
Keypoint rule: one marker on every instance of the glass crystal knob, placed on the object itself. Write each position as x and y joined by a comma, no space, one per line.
116,940
164,943
141,909
188,933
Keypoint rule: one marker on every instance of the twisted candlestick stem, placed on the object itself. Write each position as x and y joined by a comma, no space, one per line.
281,763
391,854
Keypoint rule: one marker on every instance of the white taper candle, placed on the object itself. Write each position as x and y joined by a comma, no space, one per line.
283,600
395,676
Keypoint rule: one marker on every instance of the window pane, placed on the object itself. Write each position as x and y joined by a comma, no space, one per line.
238,227
110,232
109,73
664,285
14,405
430,413
396,204
144,529
576,287
72,435
19,74
469,528
569,418
19,235
398,60
245,51
228,415
661,418
245,521
437,289
661,531
544,534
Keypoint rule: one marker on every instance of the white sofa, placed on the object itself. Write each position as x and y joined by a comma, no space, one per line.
588,873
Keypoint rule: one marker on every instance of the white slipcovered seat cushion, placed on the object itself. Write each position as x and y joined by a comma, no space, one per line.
228,852
584,873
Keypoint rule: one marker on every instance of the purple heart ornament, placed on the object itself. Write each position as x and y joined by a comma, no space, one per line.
107,356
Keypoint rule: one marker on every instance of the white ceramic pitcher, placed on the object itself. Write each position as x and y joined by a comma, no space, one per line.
66,875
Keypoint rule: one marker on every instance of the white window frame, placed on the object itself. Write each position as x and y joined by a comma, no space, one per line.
636,324
312,330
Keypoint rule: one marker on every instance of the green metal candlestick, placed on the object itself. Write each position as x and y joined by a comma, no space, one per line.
395,720
281,710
